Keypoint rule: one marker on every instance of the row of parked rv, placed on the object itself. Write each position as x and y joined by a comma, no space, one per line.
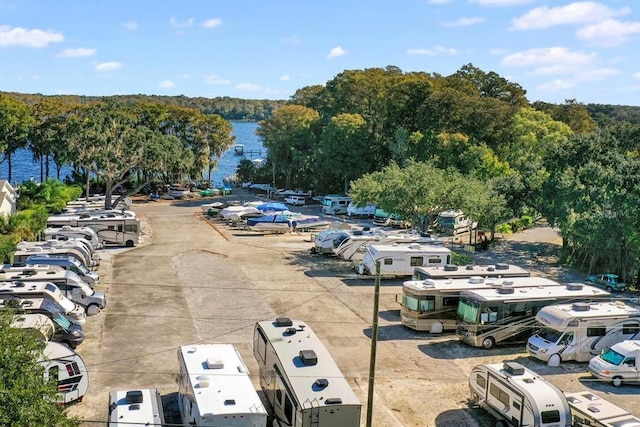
300,381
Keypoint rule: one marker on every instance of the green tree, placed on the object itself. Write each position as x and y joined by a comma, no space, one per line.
15,123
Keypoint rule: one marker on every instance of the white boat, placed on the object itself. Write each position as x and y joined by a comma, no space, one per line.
178,193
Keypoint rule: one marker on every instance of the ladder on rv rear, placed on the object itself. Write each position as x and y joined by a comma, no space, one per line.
314,411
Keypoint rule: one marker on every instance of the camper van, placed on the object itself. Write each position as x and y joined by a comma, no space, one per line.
453,222
141,407
68,263
38,325
300,379
582,330
214,388
69,283
401,260
335,204
67,232
65,366
517,396
589,410
19,290
618,364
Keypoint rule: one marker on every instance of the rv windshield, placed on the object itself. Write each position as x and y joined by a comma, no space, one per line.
612,356
468,310
549,334
80,269
62,321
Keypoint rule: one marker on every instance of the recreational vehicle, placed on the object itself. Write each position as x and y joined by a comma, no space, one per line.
490,316
401,260
81,245
20,255
589,410
335,204
141,407
116,228
451,271
300,379
66,367
68,263
517,396
356,211
37,325
618,364
214,388
19,290
68,232
454,222
430,305
354,246
323,241
69,283
582,330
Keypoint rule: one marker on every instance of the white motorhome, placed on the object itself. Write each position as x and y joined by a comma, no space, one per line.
82,245
112,227
66,367
454,222
135,408
69,283
354,247
452,271
582,330
517,396
68,232
589,410
37,325
401,260
335,204
214,388
618,364
300,379
323,241
22,254
366,211
68,263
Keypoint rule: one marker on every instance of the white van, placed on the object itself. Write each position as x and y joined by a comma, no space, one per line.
618,364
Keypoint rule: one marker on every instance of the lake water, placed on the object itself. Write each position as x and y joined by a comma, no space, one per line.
24,168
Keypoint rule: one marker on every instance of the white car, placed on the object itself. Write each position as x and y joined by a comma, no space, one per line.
294,200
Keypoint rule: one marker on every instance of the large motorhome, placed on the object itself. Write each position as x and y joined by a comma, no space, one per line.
517,396
354,247
141,407
66,367
490,316
589,410
68,232
214,388
68,263
38,325
69,283
113,227
582,330
300,379
430,305
401,260
451,271
453,222
335,204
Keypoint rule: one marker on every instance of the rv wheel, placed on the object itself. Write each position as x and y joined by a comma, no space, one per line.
488,342
129,243
93,309
616,381
554,360
501,423
609,289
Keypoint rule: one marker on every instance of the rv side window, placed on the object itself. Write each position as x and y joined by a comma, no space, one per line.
416,261
599,331
630,329
550,417
110,227
388,261
490,315
630,362
428,304
434,261
481,381
261,345
450,301
288,409
499,394
131,228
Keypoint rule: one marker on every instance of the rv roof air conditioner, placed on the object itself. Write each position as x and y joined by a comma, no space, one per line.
574,286
429,283
447,267
133,396
507,283
308,357
476,280
321,383
513,368
502,266
505,290
491,268
283,321
214,363
469,267
580,306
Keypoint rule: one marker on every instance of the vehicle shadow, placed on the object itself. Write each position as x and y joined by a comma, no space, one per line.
463,417
393,333
170,408
455,349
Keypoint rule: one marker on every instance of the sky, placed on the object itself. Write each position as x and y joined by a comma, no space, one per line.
586,51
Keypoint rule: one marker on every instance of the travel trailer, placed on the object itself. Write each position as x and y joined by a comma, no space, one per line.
490,316
141,407
214,388
517,396
37,325
451,271
453,222
300,379
353,247
335,204
69,283
112,228
65,366
68,232
401,260
68,263
589,410
430,305
618,364
582,330
323,241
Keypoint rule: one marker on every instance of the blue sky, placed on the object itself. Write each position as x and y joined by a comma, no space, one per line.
556,50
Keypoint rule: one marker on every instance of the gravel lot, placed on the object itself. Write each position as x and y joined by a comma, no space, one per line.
194,280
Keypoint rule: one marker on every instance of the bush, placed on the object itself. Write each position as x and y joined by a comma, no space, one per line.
460,259
504,228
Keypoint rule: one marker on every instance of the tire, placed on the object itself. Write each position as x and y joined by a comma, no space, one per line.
93,309
488,343
609,289
616,381
554,360
129,243
500,423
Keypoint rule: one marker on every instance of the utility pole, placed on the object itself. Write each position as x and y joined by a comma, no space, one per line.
374,345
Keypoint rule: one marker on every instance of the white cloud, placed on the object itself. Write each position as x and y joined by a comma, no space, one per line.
108,66
212,23
557,84
547,58
79,52
434,51
336,52
27,38
499,3
284,77
465,22
293,40
181,24
247,87
166,84
636,75
131,25
584,12
609,32
439,1
596,74
216,80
